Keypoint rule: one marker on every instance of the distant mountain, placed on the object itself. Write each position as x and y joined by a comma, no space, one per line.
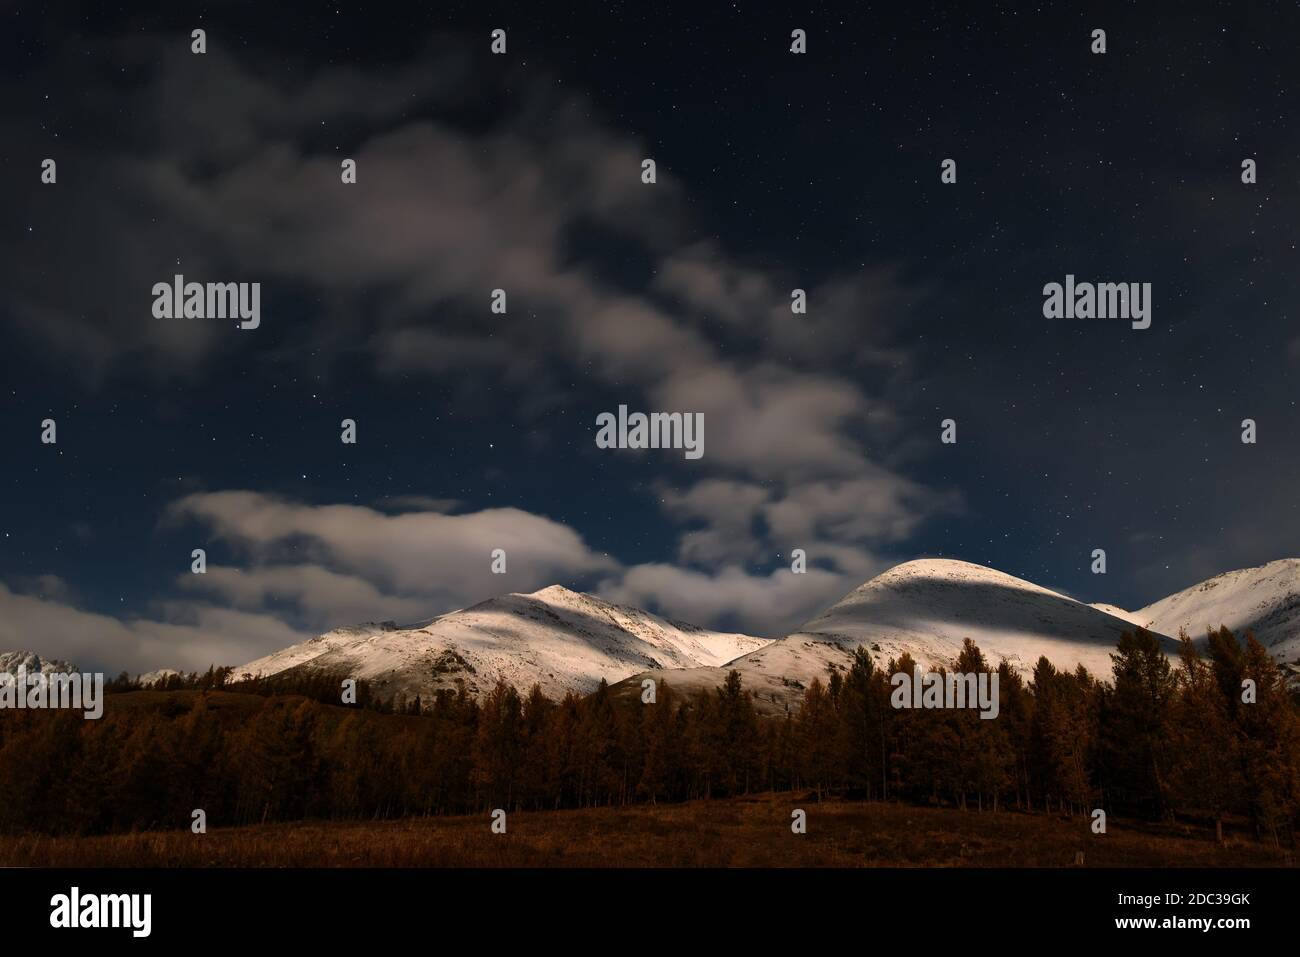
567,641
559,639
926,608
153,677
1264,600
10,661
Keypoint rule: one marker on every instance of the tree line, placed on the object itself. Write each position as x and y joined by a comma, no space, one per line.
1211,738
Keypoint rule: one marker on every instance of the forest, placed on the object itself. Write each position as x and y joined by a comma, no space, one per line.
1211,739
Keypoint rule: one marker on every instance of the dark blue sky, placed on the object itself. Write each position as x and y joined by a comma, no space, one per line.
819,171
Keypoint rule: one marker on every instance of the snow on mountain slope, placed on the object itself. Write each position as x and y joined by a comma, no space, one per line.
926,608
153,677
1118,612
566,641
560,639
331,641
1265,600
776,675
10,661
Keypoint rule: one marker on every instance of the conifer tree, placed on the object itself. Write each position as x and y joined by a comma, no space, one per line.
1136,723
1270,746
1207,773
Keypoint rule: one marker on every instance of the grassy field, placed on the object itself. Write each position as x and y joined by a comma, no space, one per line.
744,832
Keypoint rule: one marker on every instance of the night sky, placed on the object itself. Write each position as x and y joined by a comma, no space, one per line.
522,171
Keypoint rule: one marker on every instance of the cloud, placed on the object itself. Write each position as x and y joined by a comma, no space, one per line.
444,560
47,587
767,605
311,568
337,564
770,422
190,635
405,260
228,169
848,318
319,598
727,510
877,506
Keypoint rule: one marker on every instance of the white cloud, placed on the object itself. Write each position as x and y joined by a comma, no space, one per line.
403,263
189,636
321,599
349,564
443,559
769,605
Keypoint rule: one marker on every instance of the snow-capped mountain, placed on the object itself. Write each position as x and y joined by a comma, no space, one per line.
153,677
926,608
1118,612
10,661
559,639
566,641
1264,600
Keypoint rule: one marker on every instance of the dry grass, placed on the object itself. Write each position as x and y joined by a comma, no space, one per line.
748,832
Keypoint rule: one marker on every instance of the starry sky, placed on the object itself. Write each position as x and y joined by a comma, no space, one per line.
522,171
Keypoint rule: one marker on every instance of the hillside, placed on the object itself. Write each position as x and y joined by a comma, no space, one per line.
559,639
1264,600
926,608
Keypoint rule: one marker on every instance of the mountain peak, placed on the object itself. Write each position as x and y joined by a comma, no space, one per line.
557,638
11,661
1264,600
555,593
926,578
919,566
926,608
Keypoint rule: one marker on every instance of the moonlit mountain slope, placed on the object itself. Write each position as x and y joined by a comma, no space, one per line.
926,608
559,639
1264,600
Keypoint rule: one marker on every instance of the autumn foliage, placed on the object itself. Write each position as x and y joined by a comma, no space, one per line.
1161,741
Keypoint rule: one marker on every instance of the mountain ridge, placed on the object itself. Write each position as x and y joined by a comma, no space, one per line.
11,661
925,608
565,640
557,638
1263,599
